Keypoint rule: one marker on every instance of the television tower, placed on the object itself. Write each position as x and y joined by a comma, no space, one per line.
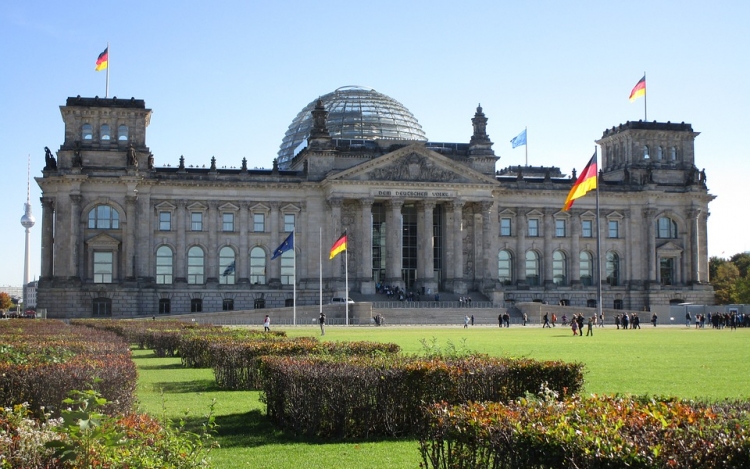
27,220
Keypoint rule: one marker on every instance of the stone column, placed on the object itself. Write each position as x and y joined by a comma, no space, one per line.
335,203
627,276
75,261
144,250
180,272
549,229
365,269
575,248
648,220
394,243
213,220
520,260
274,266
129,241
48,213
692,274
425,246
638,255
483,261
458,247
242,262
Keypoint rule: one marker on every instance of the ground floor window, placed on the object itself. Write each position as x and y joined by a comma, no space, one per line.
165,306
227,304
196,305
102,307
618,304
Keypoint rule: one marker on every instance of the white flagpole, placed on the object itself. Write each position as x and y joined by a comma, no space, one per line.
320,270
294,291
526,132
645,97
346,279
106,90
598,245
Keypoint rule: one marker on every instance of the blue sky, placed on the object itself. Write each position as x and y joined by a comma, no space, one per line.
226,78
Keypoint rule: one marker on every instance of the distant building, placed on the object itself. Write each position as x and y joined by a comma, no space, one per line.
31,295
121,237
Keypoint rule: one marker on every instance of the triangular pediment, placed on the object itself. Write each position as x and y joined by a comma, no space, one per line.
103,241
588,214
260,208
508,213
535,213
669,249
166,206
615,216
413,163
197,206
228,207
561,215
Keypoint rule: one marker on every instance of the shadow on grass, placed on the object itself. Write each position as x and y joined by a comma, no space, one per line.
198,385
167,366
252,429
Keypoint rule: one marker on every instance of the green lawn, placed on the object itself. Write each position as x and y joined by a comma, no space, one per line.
688,363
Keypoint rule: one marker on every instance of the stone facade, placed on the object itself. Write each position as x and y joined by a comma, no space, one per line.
124,238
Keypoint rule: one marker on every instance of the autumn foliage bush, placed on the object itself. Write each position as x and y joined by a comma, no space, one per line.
359,397
587,432
42,361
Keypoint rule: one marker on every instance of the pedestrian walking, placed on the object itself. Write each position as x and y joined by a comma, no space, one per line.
472,319
322,321
466,322
546,321
590,330
267,324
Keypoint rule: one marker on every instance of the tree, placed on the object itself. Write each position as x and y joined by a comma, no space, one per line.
742,290
725,283
742,261
5,301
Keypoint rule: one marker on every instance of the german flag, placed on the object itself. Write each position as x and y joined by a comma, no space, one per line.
639,89
338,246
585,182
103,60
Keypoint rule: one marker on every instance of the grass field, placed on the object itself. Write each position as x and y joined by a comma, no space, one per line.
677,361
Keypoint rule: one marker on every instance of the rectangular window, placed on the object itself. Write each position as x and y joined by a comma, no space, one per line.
560,228
505,227
227,221
533,227
259,222
165,306
196,221
227,304
587,229
103,267
289,222
614,228
165,221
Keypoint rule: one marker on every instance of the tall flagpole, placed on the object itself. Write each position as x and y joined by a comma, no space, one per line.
320,270
294,291
645,98
598,245
106,90
526,132
346,279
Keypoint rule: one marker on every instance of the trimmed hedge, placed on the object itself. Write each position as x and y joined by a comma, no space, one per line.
359,397
594,432
42,361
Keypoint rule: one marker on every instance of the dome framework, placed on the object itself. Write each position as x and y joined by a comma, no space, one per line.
355,113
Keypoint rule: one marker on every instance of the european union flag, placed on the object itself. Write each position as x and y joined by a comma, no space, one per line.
287,245
229,269
519,139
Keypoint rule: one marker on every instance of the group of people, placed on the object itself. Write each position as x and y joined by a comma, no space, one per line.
379,320
321,320
464,301
577,321
718,320
632,321
504,318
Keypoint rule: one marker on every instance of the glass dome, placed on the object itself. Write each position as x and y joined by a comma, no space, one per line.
355,113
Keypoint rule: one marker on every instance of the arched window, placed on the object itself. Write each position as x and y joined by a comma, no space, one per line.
196,264
504,267
227,266
104,217
559,268
532,268
258,266
613,269
122,133
164,262
586,268
673,153
87,132
104,132
659,153
287,267
645,152
666,228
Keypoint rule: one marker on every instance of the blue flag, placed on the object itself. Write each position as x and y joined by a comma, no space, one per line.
287,245
229,269
519,139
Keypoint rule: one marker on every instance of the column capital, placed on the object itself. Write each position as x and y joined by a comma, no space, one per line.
395,204
131,199
76,198
486,205
456,204
274,205
366,202
335,202
426,204
47,202
694,212
649,213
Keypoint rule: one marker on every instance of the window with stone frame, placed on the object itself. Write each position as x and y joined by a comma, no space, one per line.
102,307
666,271
587,228
288,222
196,305
164,265
532,268
586,268
559,268
612,269
104,133
165,221
103,266
505,267
259,222
196,221
227,304
613,228
87,132
258,266
227,266
104,217
560,228
165,306
505,226
533,231
227,221
666,228
287,267
196,266
122,133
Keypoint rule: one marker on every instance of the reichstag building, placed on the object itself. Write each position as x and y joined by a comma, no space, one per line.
123,237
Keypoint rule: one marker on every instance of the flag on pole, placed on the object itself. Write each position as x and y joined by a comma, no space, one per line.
519,139
639,89
287,245
338,246
585,182
103,61
229,270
